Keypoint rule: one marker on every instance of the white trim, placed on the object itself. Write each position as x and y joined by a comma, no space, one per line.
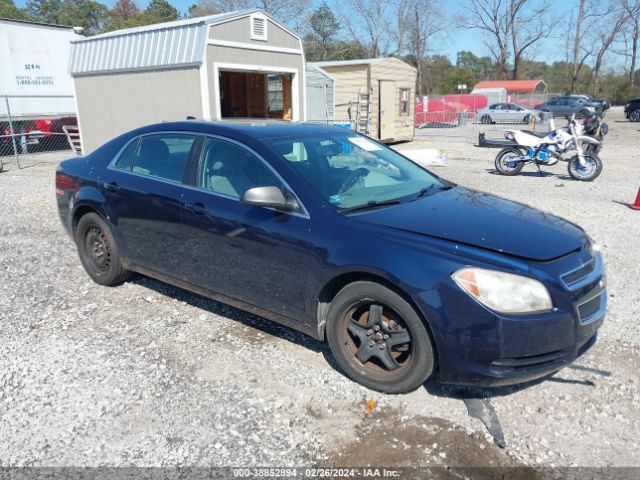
253,46
295,87
304,88
75,101
204,86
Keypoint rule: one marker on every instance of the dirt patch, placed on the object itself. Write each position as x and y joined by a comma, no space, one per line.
388,438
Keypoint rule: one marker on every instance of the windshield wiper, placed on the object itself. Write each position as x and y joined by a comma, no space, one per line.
423,192
370,204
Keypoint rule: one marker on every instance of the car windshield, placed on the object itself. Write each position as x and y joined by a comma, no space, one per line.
350,171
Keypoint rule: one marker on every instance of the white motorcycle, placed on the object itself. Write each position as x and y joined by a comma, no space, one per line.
564,144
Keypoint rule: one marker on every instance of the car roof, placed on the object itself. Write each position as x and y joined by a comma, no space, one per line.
255,128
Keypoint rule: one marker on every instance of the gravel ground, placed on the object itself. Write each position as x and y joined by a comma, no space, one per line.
146,374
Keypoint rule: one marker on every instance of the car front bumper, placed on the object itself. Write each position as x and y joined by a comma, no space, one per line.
480,347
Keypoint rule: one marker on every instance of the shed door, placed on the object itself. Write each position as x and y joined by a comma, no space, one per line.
317,103
387,111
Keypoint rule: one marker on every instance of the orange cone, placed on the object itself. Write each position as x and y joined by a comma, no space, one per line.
636,205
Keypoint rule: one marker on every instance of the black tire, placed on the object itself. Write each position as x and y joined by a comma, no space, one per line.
583,114
590,172
503,167
634,115
486,120
98,251
526,119
364,319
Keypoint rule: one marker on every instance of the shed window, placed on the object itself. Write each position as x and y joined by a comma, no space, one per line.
258,27
405,94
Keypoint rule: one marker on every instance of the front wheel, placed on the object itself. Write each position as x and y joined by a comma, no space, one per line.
507,162
589,172
378,339
486,120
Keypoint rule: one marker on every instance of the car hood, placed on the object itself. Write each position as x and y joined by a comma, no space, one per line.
482,220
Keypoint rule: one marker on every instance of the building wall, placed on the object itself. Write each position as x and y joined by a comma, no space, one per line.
349,80
404,76
111,104
239,30
241,59
320,107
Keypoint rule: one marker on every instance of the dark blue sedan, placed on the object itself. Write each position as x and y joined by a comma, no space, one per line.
338,236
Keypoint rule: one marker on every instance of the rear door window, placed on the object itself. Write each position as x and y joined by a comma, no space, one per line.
126,157
163,155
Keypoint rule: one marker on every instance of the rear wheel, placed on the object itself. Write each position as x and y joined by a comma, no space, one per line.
526,119
507,163
588,172
583,113
634,116
98,251
486,120
378,339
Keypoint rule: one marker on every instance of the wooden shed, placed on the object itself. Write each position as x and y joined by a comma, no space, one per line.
239,64
376,95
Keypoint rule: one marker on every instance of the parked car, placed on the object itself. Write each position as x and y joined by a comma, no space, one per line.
561,107
336,235
506,113
632,110
588,100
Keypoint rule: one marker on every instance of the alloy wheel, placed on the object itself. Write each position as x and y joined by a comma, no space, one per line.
377,338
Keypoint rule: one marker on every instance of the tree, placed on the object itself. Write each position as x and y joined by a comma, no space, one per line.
325,27
510,28
202,8
605,32
423,21
9,10
124,14
632,9
159,11
87,14
45,11
368,20
529,24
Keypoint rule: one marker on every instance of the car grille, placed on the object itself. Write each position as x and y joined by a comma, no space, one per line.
574,277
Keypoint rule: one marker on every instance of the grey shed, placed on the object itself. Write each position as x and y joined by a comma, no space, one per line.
240,64
321,95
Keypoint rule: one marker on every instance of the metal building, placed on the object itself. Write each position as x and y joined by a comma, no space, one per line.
375,95
320,95
239,64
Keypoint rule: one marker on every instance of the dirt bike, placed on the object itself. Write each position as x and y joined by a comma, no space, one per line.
565,144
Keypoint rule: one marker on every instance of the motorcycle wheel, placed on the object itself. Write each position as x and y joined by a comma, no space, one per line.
587,173
505,165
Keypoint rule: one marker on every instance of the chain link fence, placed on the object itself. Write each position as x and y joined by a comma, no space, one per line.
465,116
31,127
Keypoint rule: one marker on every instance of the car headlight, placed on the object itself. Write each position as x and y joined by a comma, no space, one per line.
504,292
593,246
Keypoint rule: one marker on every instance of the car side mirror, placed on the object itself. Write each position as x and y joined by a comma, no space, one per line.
268,197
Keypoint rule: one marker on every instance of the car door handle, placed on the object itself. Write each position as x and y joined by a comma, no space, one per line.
197,208
112,187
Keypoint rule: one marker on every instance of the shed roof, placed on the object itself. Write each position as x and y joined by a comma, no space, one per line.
174,44
513,86
360,61
316,68
339,63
